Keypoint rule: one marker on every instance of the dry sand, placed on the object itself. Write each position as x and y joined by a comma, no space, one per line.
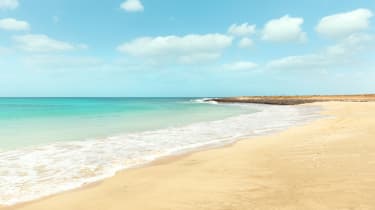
327,164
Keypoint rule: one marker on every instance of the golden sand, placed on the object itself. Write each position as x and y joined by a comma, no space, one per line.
327,164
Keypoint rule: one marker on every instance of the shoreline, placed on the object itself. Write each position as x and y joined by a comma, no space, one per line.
167,159
295,116
295,100
170,162
159,161
174,157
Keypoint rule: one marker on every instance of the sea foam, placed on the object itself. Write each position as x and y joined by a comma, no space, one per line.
31,173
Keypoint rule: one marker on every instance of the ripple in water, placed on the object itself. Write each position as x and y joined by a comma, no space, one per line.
34,172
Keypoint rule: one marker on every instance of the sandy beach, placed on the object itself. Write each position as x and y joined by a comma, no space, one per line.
326,164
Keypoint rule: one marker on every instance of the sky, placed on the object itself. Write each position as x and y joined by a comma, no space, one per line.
186,48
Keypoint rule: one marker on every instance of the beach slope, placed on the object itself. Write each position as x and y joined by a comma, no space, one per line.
327,164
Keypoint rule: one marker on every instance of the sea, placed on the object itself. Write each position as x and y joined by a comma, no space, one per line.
51,145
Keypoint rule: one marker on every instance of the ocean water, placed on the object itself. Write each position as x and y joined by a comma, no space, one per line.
50,145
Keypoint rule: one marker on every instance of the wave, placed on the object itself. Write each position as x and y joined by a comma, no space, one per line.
31,173
204,100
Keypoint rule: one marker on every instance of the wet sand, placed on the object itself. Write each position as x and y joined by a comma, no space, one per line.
326,164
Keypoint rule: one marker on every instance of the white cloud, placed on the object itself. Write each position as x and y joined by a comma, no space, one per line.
245,43
284,29
339,54
351,45
11,24
241,66
299,62
132,6
8,4
344,24
43,43
241,30
186,49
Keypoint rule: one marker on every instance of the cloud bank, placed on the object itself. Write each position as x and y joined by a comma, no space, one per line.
284,29
241,30
43,43
343,24
132,6
185,49
338,54
8,4
11,24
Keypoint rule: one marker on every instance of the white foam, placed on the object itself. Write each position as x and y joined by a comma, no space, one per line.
31,173
204,101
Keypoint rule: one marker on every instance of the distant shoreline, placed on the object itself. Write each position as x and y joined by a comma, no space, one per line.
295,100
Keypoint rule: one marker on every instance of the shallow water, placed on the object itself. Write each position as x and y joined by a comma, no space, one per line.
27,122
53,145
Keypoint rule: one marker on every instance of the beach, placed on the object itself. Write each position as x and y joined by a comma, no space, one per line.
187,105
46,150
326,164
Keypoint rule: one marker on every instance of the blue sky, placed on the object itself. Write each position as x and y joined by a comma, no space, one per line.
186,48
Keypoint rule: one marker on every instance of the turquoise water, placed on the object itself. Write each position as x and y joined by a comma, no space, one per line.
50,145
33,121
